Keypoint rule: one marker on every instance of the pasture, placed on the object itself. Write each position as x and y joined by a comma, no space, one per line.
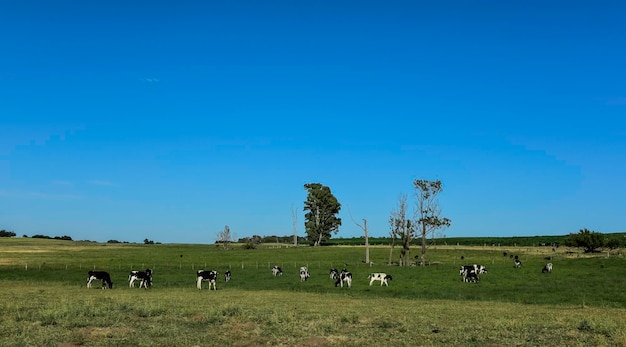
46,302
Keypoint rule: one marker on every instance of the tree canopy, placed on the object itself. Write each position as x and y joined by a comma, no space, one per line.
5,233
321,208
588,240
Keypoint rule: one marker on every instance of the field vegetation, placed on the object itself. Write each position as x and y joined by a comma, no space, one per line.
46,302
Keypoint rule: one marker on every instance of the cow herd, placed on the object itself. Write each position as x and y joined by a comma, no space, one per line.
471,273
468,273
343,278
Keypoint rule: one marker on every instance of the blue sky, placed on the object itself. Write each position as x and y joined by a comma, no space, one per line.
171,120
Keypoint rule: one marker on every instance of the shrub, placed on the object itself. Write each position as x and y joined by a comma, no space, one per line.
588,240
4,233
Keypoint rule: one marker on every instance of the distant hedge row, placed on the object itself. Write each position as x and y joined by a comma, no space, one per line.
618,239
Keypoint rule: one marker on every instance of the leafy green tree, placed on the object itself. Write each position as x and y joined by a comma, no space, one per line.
5,233
613,244
321,208
428,213
588,240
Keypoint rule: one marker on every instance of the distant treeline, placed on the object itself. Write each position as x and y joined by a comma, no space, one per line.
5,233
257,239
612,240
64,237
618,239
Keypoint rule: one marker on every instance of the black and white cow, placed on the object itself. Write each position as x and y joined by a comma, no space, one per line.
277,271
99,275
207,276
547,268
379,276
227,276
304,274
344,277
145,278
334,274
518,264
470,273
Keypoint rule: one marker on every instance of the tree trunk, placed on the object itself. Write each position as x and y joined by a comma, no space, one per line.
423,257
393,243
406,249
319,240
294,216
367,243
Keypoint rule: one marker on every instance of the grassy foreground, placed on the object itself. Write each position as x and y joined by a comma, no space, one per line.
44,301
55,315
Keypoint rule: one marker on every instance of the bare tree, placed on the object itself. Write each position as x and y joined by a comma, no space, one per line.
225,237
367,240
401,227
428,214
294,218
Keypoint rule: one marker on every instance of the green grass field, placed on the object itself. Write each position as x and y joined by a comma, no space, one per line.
46,302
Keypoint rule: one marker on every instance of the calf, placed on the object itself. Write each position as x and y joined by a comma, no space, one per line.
518,264
547,268
145,278
99,275
379,276
227,275
277,271
334,274
207,276
344,277
304,274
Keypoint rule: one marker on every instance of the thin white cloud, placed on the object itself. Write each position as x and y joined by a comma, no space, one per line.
151,80
102,183
37,195
616,101
62,183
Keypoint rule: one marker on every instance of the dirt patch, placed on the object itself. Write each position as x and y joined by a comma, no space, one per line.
315,341
96,333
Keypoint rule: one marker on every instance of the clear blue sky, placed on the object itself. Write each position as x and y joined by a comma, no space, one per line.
169,120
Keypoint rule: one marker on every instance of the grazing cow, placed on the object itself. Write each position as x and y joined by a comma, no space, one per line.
145,278
380,276
99,275
227,275
277,271
518,263
547,268
479,269
334,274
207,276
304,274
470,272
344,277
